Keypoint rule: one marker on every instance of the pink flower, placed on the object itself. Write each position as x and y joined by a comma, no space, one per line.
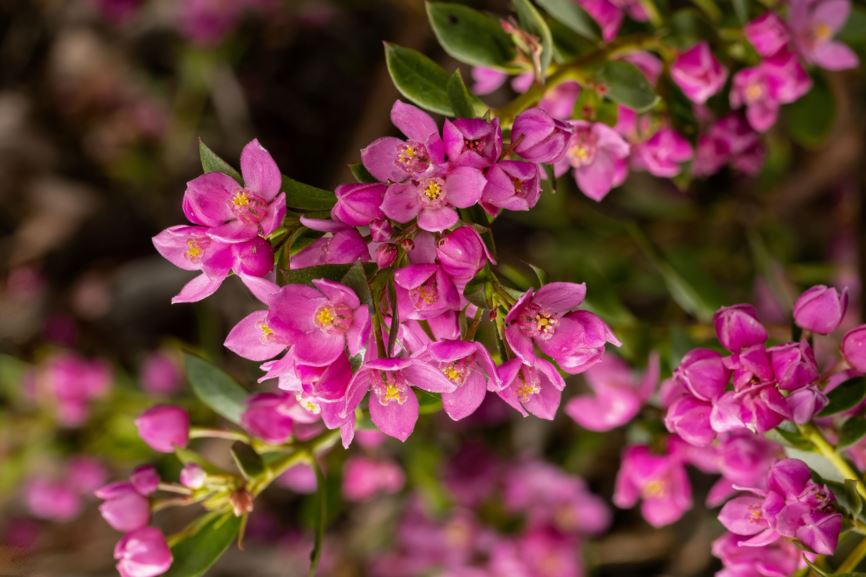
487,80
358,204
390,159
538,137
617,395
320,321
393,405
192,476
793,365
854,348
730,139
472,141
574,339
780,79
468,365
814,23
86,474
424,291
232,212
774,560
142,553
52,500
597,155
164,428
462,253
663,153
738,327
123,507
432,198
703,373
698,74
767,33
659,481
300,478
607,14
267,416
535,389
820,309
159,373
191,248
340,244
364,478
511,185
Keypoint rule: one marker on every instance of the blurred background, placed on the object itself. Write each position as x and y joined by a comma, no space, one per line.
101,106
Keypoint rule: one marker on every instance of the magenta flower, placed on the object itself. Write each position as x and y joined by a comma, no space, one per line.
487,80
433,198
538,137
616,395
698,74
365,478
393,405
340,244
468,365
663,153
267,416
145,479
232,212
424,291
391,159
854,348
647,63
191,248
86,474
123,507
767,33
575,339
320,320
159,373
793,365
462,253
597,154
820,309
730,139
142,553
703,373
511,185
535,389
814,23
358,204
607,14
472,141
52,500
690,418
738,327
659,481
775,560
762,89
164,428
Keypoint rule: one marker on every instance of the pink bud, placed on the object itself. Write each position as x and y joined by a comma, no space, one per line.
164,428
192,476
358,204
698,74
767,33
793,365
538,137
738,327
854,348
254,257
142,553
462,253
124,508
380,230
386,254
820,309
703,373
145,479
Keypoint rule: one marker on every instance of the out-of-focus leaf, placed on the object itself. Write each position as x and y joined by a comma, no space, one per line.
852,431
572,15
566,44
361,174
810,120
463,103
789,437
845,396
216,389
627,85
854,30
688,26
418,78
334,272
532,22
196,553
305,197
741,9
321,517
249,462
471,36
211,162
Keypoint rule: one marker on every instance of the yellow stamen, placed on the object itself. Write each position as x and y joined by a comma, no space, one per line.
393,393
822,31
325,317
266,330
453,374
654,489
754,92
433,190
193,250
526,391
240,199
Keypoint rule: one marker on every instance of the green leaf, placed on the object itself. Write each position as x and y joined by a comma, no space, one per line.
305,197
741,9
854,30
815,568
790,437
195,554
532,22
810,119
472,37
249,462
478,290
216,389
845,396
210,162
418,78
627,85
334,272
572,15
852,431
356,279
463,103
361,174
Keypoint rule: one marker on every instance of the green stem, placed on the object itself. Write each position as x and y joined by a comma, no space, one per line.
830,453
322,514
854,558
202,433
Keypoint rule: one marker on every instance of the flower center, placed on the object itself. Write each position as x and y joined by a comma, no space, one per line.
754,92
390,387
266,330
248,207
308,404
582,150
529,386
432,192
333,318
538,323
477,145
654,489
822,32
413,157
457,371
426,295
194,249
